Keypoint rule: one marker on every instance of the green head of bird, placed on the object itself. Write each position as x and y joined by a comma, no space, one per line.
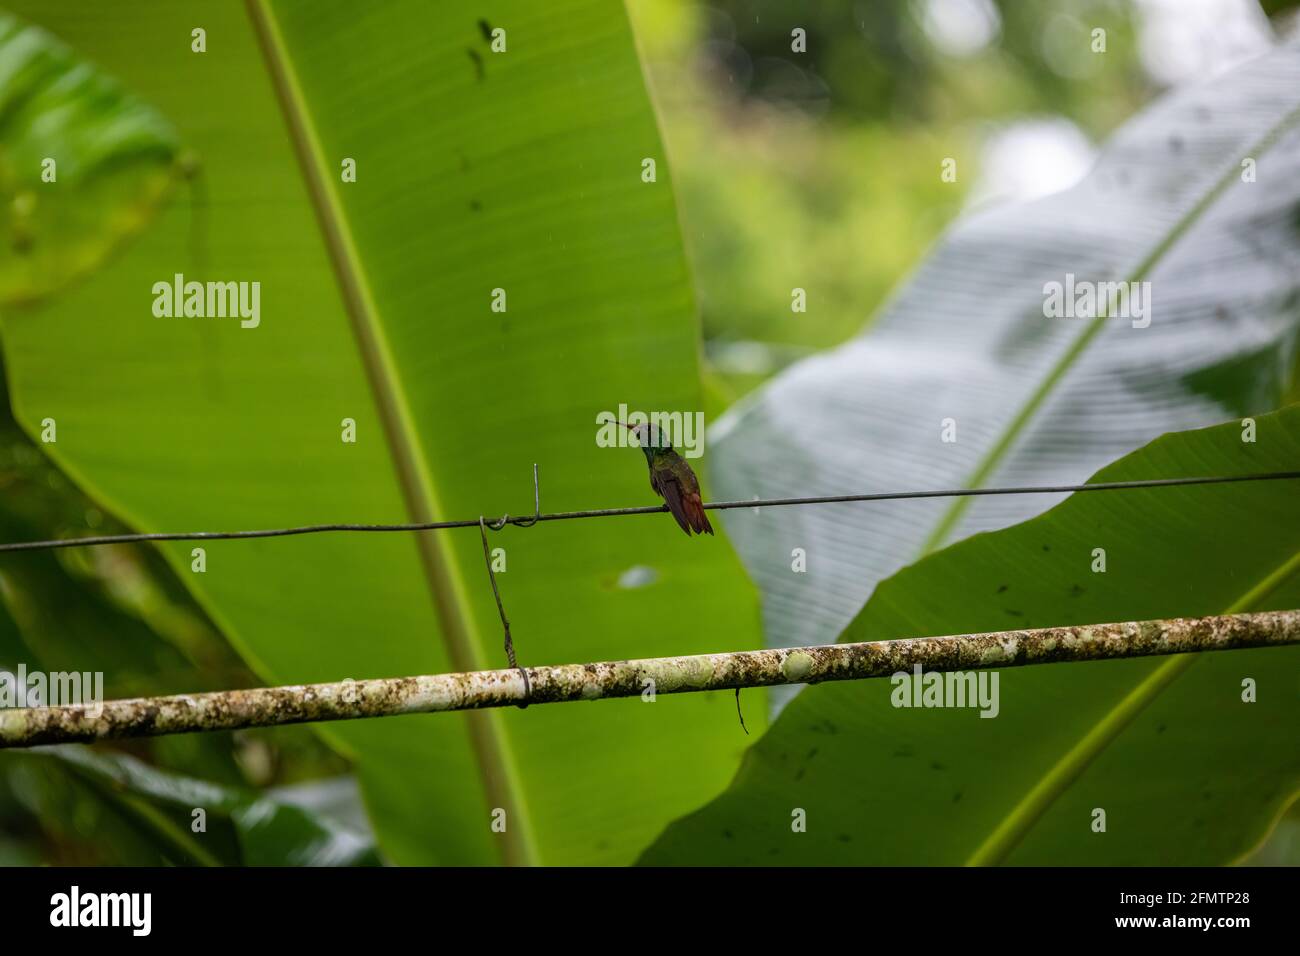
649,439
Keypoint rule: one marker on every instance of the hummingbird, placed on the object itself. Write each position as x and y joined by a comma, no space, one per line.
672,478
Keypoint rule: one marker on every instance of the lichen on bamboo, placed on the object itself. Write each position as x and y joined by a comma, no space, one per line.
349,699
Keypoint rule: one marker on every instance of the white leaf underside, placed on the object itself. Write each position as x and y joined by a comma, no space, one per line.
966,339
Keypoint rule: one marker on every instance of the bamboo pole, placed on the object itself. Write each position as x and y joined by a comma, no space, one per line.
348,700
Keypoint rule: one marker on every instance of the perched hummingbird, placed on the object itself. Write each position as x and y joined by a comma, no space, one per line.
672,479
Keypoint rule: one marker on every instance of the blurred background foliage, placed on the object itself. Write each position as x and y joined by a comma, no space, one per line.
818,170
821,170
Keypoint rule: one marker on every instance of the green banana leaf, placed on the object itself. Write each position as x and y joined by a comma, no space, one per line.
1196,195
476,170
1282,848
64,611
112,610
238,827
1186,771
83,164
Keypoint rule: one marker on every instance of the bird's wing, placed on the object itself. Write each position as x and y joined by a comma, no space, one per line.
683,502
691,498
671,492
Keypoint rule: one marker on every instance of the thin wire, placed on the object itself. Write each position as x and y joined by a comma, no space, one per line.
530,520
501,609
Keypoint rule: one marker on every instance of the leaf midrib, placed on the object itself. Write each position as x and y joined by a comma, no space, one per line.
1006,836
993,458
442,574
1012,828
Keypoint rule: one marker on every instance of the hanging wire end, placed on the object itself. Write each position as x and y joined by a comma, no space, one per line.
537,505
483,525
